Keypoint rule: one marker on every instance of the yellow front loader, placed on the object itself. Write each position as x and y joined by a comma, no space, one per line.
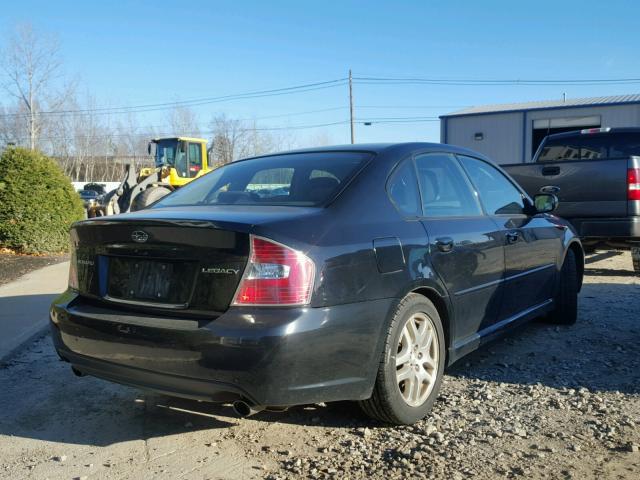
178,161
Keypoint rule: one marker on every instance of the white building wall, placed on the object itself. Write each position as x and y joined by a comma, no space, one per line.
502,135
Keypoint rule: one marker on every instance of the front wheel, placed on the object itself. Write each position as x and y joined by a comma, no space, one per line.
566,300
411,369
635,257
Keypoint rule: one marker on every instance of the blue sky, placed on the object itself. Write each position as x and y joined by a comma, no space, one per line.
157,51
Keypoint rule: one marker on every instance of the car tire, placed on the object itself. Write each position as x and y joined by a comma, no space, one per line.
399,401
635,258
566,300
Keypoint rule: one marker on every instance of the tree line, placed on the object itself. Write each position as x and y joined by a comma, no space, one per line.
44,111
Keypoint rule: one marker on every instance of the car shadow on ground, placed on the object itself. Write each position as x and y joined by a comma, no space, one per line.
609,272
599,352
603,271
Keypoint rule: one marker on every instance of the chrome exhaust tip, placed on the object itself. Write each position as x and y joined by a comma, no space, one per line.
244,409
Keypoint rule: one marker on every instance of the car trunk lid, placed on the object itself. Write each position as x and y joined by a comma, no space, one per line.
161,264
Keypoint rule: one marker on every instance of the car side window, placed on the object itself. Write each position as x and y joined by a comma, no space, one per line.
402,189
445,190
497,193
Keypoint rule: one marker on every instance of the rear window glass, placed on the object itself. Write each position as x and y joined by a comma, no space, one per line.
304,179
590,147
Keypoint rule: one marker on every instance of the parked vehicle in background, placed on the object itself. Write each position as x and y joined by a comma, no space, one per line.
357,273
178,161
89,197
96,187
596,175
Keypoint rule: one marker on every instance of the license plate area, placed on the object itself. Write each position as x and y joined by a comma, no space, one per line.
150,281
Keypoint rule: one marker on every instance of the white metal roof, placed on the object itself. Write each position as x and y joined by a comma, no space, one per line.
539,105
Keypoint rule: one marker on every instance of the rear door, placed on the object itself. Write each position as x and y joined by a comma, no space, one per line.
466,247
590,171
531,243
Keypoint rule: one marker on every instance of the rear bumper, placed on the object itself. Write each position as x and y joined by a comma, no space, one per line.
267,356
618,229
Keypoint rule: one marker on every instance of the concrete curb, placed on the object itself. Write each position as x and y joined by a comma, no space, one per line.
7,352
24,306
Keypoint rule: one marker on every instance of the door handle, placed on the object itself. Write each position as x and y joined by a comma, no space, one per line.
547,171
512,237
444,244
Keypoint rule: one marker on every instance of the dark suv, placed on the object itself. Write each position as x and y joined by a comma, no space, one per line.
344,273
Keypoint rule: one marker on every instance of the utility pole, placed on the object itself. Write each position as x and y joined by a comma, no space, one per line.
351,106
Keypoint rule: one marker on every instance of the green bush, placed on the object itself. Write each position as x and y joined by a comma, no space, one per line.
37,203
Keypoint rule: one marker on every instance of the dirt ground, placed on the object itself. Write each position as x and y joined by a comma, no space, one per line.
14,266
546,402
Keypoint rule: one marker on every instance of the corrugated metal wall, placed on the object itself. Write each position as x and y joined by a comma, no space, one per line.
506,134
502,135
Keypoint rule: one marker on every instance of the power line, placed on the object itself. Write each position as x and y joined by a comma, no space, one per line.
191,103
376,120
399,80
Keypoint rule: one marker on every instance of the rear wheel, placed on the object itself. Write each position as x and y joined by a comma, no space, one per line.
635,257
149,196
566,300
411,369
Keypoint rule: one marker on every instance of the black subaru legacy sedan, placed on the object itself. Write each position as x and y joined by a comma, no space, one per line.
341,273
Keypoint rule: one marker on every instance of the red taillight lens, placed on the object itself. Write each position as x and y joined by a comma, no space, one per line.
633,184
275,275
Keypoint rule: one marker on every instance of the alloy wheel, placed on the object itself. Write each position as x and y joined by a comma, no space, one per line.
417,359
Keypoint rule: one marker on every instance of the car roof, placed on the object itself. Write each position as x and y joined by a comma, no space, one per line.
381,149
576,133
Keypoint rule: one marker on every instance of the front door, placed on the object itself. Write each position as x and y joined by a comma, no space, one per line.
531,243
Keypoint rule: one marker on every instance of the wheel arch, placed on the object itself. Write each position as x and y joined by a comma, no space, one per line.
444,310
578,252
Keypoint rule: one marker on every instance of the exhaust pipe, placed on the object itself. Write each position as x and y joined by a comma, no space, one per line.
77,372
244,409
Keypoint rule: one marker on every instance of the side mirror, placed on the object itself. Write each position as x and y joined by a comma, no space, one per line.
545,202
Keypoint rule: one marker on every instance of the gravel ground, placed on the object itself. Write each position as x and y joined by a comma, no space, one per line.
546,402
13,266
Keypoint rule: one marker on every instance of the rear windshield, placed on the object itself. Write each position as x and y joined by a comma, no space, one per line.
590,147
304,179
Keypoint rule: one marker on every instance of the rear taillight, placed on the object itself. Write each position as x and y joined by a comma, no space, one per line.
275,275
73,268
633,184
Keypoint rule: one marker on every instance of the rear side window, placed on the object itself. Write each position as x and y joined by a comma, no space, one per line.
304,179
402,188
445,190
498,195
590,147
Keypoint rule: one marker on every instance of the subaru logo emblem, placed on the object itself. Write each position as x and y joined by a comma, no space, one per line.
139,236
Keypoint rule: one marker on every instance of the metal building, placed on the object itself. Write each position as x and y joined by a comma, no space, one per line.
511,133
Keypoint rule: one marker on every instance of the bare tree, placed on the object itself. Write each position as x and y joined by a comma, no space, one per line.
184,122
11,127
233,139
32,64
